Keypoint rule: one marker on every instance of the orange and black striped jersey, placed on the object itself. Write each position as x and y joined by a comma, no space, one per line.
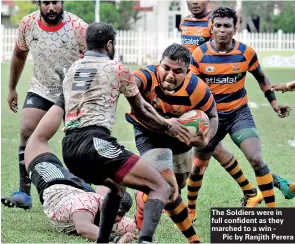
195,32
225,73
192,94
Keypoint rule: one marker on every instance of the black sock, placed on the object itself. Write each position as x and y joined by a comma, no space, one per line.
151,216
108,213
24,180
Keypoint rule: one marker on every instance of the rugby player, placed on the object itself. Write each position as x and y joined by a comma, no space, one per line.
56,39
172,91
223,63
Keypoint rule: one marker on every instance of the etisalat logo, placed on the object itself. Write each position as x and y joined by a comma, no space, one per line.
223,80
192,40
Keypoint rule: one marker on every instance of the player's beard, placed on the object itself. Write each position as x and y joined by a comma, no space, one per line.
52,21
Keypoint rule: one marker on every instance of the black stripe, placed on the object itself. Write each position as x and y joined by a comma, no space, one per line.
248,192
228,59
191,206
192,85
193,188
232,166
238,174
227,98
244,183
205,98
196,177
242,47
204,48
172,100
180,217
253,60
269,199
149,80
189,232
266,187
262,171
172,206
193,62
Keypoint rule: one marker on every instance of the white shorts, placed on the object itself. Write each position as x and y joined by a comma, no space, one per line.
62,201
182,163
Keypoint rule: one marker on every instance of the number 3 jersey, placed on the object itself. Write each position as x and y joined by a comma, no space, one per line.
53,48
92,87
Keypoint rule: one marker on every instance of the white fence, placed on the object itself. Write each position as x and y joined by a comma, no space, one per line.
139,47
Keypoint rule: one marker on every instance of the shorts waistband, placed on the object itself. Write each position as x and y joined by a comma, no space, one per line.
86,128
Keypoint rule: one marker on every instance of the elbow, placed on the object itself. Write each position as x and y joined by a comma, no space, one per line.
82,230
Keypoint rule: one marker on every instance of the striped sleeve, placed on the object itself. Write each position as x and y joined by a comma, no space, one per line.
145,79
252,59
206,101
195,59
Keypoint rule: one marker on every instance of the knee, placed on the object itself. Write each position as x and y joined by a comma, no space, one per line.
165,189
82,229
199,169
26,131
256,161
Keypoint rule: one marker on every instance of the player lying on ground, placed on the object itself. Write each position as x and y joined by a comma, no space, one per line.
284,87
223,63
172,91
71,204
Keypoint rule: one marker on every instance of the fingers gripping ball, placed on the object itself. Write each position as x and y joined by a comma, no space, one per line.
195,120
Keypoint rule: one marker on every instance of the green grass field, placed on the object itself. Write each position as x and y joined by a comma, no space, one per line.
218,190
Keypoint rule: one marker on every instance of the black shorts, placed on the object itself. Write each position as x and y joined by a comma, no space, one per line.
33,100
239,125
94,155
46,170
146,140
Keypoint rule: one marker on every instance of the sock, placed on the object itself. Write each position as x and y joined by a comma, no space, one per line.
194,183
152,213
178,212
24,180
265,183
292,187
233,168
108,212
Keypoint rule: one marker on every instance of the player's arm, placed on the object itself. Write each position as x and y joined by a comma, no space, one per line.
284,87
18,61
195,59
147,115
46,129
265,85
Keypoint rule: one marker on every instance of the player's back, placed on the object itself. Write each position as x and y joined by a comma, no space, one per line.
91,89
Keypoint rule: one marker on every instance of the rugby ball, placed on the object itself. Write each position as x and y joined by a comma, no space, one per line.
195,120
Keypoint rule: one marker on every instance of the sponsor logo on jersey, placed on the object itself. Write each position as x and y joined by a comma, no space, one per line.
209,69
223,80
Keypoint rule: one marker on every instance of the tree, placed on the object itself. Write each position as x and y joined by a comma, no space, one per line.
109,14
25,7
128,16
83,9
286,19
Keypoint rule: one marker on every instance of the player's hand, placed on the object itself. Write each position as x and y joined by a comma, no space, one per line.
12,100
199,140
178,130
127,238
283,111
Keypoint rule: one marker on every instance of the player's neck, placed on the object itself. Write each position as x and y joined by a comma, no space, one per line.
223,47
200,16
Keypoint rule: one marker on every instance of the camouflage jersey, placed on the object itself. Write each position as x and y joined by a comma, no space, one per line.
53,48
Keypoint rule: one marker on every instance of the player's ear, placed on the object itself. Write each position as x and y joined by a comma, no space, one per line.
109,45
235,30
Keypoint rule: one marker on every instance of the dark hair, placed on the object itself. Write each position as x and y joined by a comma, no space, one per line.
98,34
126,203
177,52
223,12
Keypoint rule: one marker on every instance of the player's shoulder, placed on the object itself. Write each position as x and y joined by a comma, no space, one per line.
244,48
30,18
75,20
